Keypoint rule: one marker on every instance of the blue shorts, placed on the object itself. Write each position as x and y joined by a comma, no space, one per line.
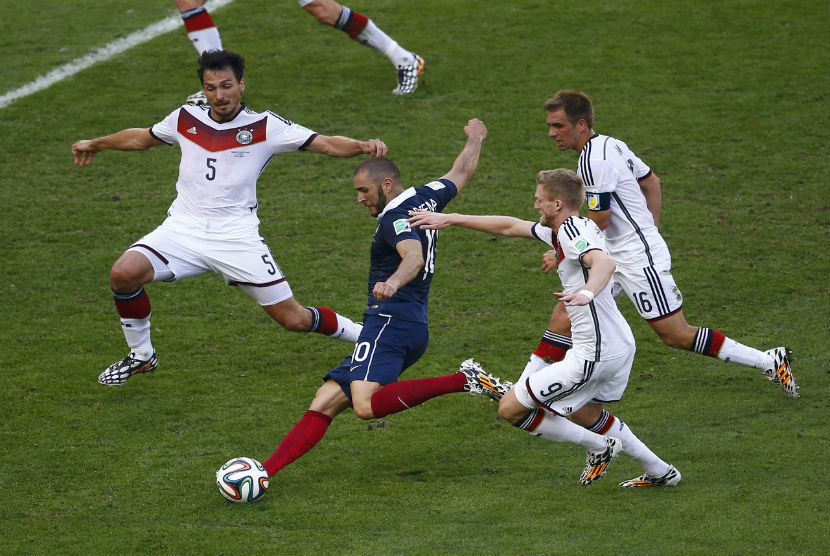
384,350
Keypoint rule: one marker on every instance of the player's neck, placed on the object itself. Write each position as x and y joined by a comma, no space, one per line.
583,139
562,216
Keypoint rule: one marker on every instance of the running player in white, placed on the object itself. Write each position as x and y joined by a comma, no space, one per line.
203,33
623,198
212,225
595,370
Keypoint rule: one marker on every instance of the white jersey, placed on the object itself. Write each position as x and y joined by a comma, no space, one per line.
220,165
598,329
611,172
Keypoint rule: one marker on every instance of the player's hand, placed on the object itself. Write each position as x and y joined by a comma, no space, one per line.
84,152
572,299
549,261
383,290
375,148
428,220
476,128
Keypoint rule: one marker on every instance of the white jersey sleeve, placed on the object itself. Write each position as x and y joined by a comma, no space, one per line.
285,135
167,129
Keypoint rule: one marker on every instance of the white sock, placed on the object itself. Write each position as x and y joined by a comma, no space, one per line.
732,351
534,364
559,429
347,329
634,448
137,334
203,39
374,36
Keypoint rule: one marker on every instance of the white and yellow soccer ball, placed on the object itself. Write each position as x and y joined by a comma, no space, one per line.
242,480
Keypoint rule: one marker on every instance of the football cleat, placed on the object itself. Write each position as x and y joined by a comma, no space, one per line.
780,372
480,382
118,373
597,462
197,98
408,76
669,479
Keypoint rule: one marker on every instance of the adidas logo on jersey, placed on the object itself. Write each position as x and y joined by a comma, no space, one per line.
192,130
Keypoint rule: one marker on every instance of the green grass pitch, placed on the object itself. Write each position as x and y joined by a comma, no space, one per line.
726,100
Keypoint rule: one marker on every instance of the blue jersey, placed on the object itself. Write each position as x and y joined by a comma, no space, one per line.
410,301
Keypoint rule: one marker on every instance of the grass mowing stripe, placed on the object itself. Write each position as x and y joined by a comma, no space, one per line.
100,55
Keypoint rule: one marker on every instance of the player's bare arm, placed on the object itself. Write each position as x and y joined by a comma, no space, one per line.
346,147
549,261
650,186
491,224
412,261
602,218
133,139
602,268
467,160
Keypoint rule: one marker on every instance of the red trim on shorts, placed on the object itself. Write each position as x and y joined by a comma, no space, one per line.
151,250
198,22
667,315
235,283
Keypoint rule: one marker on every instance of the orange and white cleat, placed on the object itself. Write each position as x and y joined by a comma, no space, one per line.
780,373
596,463
669,479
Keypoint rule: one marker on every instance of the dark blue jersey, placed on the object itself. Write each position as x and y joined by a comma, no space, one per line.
410,301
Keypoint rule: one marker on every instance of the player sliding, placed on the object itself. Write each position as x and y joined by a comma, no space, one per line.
212,225
395,332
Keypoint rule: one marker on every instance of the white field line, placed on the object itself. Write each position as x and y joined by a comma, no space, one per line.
102,54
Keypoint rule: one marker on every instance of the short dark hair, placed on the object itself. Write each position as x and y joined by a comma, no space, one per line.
218,60
577,106
378,169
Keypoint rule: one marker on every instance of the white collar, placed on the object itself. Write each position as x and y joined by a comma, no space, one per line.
407,193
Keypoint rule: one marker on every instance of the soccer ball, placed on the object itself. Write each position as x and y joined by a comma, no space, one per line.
242,480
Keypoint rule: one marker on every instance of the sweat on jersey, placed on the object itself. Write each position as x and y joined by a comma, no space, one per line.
221,162
411,300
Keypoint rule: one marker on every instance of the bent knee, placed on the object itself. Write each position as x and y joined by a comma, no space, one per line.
364,412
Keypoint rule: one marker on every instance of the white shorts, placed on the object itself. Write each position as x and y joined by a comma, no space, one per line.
567,385
246,263
304,3
652,289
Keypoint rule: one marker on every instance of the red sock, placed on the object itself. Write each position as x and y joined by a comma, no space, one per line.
553,346
324,320
398,396
132,305
198,21
357,24
550,352
300,439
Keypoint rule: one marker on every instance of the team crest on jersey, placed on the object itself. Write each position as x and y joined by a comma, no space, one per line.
401,226
581,244
592,200
244,137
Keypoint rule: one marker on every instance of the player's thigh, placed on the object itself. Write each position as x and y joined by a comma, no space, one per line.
174,256
567,385
652,290
384,349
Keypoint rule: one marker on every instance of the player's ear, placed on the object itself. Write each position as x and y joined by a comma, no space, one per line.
242,85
